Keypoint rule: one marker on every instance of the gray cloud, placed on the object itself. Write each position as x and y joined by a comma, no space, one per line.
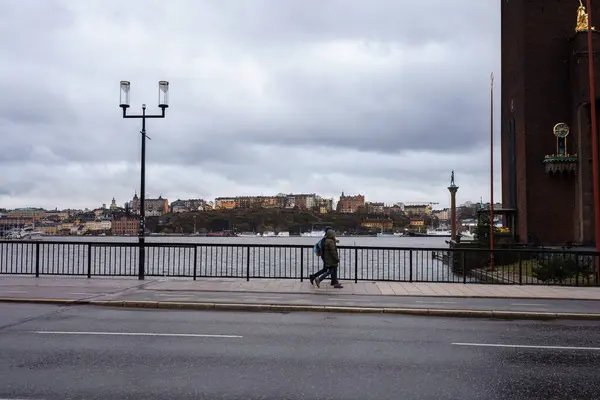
383,98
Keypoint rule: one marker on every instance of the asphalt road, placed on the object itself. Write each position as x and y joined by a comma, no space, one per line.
50,352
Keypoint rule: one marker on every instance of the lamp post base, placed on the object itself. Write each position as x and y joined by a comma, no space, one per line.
141,257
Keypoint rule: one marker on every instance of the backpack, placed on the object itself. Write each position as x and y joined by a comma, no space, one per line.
318,249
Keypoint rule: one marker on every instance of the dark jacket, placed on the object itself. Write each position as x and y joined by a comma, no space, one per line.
331,257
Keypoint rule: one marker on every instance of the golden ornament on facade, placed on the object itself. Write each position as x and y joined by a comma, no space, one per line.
582,19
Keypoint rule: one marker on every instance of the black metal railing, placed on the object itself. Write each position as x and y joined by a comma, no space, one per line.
357,263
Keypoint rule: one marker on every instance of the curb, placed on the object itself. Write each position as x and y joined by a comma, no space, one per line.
43,301
340,293
285,308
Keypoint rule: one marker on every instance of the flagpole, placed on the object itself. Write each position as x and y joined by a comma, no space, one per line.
594,134
492,171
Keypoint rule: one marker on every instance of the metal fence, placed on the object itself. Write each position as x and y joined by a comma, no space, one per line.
357,263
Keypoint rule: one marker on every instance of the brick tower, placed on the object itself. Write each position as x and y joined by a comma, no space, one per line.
547,177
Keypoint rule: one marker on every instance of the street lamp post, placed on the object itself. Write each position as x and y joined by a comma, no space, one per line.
163,103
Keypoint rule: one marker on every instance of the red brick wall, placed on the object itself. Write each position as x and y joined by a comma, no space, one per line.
536,90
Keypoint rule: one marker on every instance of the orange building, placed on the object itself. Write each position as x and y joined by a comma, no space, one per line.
417,222
225,203
385,224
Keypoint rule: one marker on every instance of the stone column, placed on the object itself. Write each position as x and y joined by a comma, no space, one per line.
453,189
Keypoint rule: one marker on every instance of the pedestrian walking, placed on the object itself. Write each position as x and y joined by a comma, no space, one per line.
331,259
319,252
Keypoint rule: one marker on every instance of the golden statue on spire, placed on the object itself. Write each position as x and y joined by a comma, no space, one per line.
582,19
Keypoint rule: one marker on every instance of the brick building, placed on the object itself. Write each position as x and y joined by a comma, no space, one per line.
125,225
544,83
350,204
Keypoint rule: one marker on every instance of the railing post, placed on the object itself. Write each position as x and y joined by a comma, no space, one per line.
247,263
141,256
37,260
355,265
195,261
463,264
576,269
410,266
520,268
301,264
89,260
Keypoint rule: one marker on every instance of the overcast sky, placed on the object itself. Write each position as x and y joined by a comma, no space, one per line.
379,97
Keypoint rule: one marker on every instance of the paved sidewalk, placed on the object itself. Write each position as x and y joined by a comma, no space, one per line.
23,284
472,300
380,288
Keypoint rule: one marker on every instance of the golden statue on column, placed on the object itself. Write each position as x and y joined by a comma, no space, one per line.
582,19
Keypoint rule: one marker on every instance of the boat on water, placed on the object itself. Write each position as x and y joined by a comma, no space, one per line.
441,232
248,234
27,233
319,233
221,234
467,235
385,234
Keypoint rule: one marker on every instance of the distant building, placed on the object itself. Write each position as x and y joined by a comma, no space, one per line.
27,213
417,209
303,201
125,225
350,204
324,205
251,202
384,224
375,208
179,206
225,203
48,228
442,215
417,222
98,225
152,207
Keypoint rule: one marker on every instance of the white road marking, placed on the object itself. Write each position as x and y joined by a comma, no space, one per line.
528,304
521,346
267,297
13,291
140,334
435,302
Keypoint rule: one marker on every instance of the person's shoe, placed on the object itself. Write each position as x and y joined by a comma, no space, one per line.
317,283
338,286
312,279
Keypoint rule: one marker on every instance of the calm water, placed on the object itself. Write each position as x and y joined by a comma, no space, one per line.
395,241
411,259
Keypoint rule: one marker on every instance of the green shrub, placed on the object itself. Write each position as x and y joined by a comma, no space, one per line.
558,268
